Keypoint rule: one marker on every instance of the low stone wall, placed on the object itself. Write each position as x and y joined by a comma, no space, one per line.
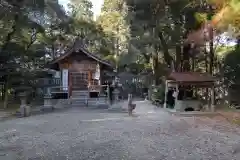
182,105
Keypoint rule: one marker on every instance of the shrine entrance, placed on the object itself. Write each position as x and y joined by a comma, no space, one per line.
79,80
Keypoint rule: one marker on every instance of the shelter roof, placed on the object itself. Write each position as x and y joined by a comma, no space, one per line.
191,77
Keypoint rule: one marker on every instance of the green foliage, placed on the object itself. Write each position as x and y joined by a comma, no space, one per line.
158,93
232,68
81,10
22,48
115,20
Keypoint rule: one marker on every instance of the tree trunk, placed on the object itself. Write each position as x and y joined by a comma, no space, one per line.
186,67
155,69
193,64
2,89
178,59
211,53
5,102
211,64
167,57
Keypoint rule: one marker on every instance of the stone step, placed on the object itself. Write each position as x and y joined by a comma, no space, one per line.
80,93
78,97
78,103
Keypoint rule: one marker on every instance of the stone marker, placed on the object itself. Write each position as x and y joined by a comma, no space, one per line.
131,106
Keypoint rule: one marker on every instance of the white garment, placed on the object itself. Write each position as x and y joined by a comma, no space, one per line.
175,94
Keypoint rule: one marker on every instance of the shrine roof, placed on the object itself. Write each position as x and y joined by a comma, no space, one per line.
77,46
191,77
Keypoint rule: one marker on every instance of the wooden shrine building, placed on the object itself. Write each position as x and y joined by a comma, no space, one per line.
80,70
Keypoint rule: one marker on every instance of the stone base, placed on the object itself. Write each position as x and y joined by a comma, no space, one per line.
47,108
25,111
181,106
61,103
191,114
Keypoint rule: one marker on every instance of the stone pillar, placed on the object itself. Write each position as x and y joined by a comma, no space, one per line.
116,95
108,95
149,93
47,106
25,110
165,96
131,106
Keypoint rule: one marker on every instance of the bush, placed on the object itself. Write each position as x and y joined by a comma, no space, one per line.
158,94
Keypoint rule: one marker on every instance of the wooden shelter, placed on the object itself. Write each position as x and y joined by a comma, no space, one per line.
80,70
188,79
192,78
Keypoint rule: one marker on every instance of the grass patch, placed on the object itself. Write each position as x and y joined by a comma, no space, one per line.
236,121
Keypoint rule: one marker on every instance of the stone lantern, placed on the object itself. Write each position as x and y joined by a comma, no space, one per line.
25,110
116,94
48,101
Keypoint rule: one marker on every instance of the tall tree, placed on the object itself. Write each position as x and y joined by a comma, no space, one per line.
22,24
115,19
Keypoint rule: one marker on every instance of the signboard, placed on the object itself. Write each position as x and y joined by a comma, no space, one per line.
65,79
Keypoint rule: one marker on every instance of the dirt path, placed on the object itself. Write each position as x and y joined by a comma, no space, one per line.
99,135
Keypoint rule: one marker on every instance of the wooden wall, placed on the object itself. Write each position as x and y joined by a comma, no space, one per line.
78,63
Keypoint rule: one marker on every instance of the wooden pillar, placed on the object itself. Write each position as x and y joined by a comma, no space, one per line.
176,95
69,84
101,74
89,77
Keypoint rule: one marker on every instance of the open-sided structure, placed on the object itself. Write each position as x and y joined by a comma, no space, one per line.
180,82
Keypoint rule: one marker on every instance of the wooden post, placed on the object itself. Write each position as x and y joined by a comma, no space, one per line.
70,84
89,77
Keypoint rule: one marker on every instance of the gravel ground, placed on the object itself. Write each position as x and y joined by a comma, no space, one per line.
81,134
